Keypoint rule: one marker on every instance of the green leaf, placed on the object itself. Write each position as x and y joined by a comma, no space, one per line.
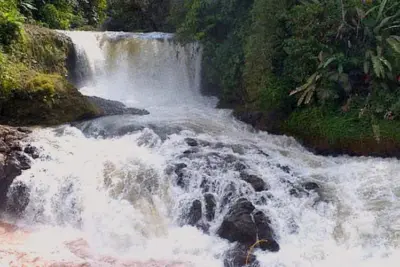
340,69
381,8
394,44
366,67
329,61
387,63
310,94
378,68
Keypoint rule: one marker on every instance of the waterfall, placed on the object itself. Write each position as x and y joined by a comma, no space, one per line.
121,192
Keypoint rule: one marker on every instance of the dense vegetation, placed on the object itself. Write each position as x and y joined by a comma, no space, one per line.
339,59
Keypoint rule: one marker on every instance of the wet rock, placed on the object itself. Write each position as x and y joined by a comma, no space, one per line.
17,198
238,224
179,171
15,146
294,192
228,194
22,159
263,153
230,158
310,186
238,149
110,107
24,130
210,206
191,151
256,182
239,166
191,142
245,225
32,151
284,168
12,168
265,232
4,147
238,257
219,145
195,213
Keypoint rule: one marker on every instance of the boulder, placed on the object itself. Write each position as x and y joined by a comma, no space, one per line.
110,107
256,182
195,213
310,186
210,206
238,257
245,225
238,225
191,142
284,168
17,198
32,151
265,232
179,171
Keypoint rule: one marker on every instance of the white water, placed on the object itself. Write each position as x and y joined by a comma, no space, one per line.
115,193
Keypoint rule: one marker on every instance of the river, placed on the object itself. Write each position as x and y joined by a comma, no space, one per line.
102,193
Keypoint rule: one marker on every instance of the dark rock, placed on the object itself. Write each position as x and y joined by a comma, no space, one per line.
24,130
239,166
256,182
263,153
17,198
15,146
4,147
238,149
24,161
265,232
210,206
228,194
309,186
191,142
294,192
32,151
237,257
219,145
110,107
230,158
12,169
179,171
195,213
238,224
284,168
191,151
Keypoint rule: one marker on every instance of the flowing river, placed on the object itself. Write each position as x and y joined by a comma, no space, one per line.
103,193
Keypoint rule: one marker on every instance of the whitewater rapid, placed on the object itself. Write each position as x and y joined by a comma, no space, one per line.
107,181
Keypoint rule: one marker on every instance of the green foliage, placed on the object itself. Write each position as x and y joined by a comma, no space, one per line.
10,22
44,84
264,53
54,18
138,15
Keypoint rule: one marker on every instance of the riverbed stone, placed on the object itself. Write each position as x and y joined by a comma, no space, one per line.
256,182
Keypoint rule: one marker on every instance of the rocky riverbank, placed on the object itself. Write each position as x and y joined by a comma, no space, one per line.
14,159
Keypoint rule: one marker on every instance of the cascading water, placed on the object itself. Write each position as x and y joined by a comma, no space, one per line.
110,183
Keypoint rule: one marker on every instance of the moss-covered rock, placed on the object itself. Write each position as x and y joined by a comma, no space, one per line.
334,133
46,100
33,81
328,132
